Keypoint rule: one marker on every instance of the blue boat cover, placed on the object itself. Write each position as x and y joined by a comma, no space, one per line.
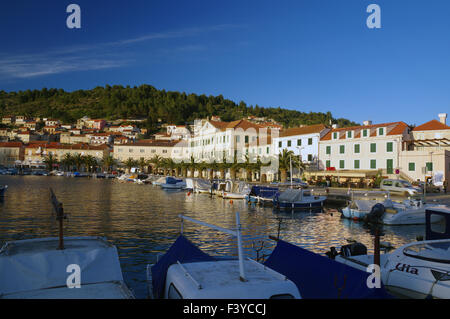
171,180
263,191
183,251
319,277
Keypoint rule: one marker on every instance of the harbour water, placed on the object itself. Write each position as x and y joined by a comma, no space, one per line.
142,221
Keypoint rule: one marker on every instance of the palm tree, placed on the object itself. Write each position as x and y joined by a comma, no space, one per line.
49,160
108,162
156,161
192,166
77,160
129,163
67,161
90,162
284,163
142,163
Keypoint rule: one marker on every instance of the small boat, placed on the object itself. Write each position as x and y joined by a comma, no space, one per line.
298,199
61,268
409,212
221,186
186,272
199,185
3,189
262,194
238,191
173,183
420,269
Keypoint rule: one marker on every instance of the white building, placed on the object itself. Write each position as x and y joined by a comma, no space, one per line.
428,156
366,147
302,141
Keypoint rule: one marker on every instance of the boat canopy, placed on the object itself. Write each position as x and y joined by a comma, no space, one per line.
35,267
171,180
291,195
183,251
263,191
319,277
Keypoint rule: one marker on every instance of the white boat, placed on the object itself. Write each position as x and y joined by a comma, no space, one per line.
409,212
240,190
159,181
198,185
185,272
420,269
298,199
36,269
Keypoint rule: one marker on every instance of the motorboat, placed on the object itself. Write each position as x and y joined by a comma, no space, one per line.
37,269
420,269
61,268
186,272
262,194
238,191
298,199
199,185
173,183
408,212
222,186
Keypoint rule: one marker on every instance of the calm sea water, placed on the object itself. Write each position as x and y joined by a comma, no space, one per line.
142,221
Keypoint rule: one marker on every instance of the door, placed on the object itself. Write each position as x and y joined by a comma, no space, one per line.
390,166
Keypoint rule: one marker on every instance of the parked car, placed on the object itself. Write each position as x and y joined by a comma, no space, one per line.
399,186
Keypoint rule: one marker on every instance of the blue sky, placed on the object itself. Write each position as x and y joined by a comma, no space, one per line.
308,55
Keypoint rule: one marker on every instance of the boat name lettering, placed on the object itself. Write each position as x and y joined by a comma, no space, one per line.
407,268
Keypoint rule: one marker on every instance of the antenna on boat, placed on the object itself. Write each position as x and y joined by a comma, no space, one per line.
59,210
236,233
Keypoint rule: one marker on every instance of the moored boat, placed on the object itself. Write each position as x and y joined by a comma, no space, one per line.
420,269
298,199
262,194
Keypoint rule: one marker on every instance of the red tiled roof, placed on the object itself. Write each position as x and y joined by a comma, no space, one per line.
431,126
11,144
398,128
302,130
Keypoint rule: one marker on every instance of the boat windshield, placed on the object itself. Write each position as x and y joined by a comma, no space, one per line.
437,251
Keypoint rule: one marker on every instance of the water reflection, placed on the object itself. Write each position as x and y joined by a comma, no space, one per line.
142,220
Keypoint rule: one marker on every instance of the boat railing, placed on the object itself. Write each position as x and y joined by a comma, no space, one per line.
233,232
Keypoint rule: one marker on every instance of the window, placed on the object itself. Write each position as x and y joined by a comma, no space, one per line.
429,166
289,143
130,150
411,167
164,151
389,146
246,139
310,157
342,149
373,147
328,163
153,151
299,142
238,139
280,144
373,164
267,150
335,135
364,133
328,150
356,164
341,164
142,150
310,141
381,131
357,148
349,134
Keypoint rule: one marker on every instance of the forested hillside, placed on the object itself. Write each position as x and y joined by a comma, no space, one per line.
145,101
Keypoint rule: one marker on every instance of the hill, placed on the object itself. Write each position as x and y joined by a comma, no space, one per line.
145,101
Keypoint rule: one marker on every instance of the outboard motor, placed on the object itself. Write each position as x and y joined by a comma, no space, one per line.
354,249
376,214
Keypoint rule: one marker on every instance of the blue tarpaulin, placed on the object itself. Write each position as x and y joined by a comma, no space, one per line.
183,251
319,277
171,180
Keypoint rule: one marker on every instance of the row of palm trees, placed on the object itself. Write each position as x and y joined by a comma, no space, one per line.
250,168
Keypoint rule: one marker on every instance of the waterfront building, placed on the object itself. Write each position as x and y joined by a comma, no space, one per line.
361,151
428,155
8,119
303,142
11,153
148,149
